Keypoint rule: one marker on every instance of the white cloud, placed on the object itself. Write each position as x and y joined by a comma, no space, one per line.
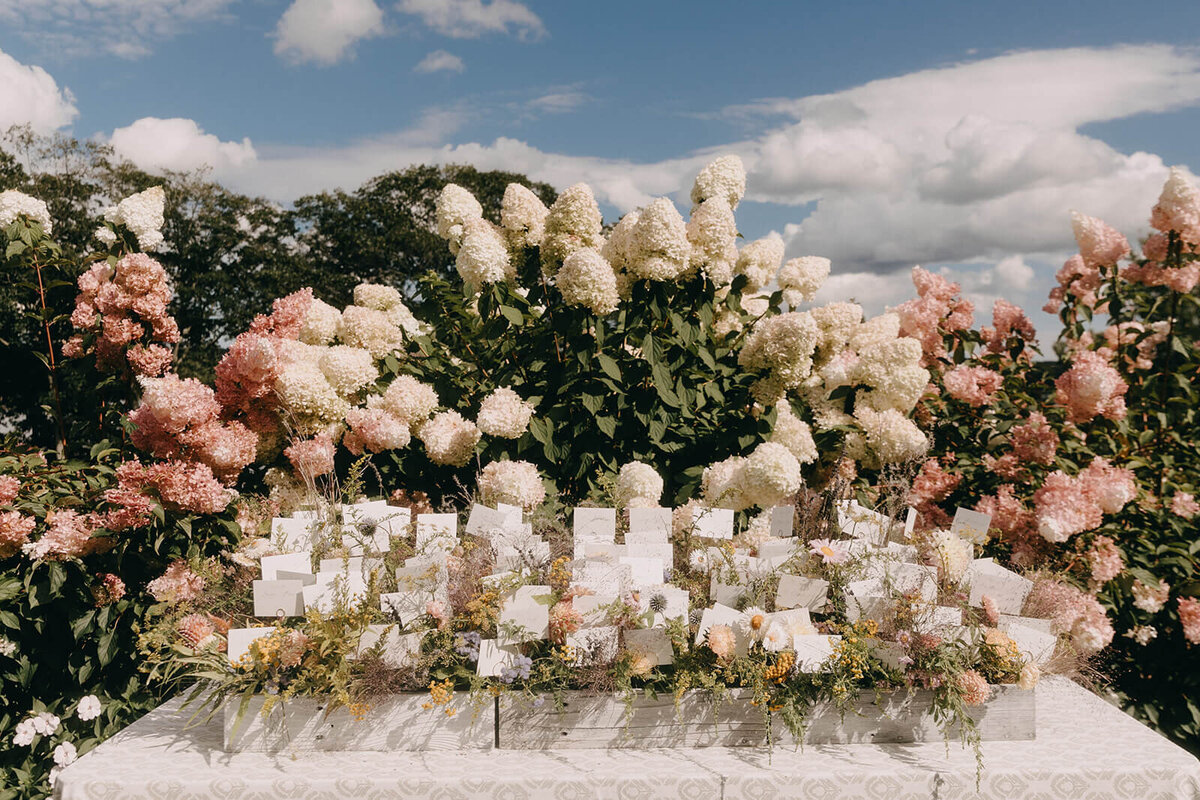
558,102
440,60
323,31
179,144
124,28
29,95
470,19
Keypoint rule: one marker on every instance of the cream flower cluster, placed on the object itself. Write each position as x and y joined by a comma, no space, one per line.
659,247
517,483
638,486
712,234
14,204
449,438
483,255
765,478
523,217
724,178
800,278
574,222
453,208
503,413
759,261
951,555
587,280
142,214
793,433
782,346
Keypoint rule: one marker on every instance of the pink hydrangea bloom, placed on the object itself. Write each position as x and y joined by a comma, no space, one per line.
972,385
1008,320
149,361
287,315
1109,487
245,379
177,584
1091,388
937,310
108,589
974,688
180,485
9,486
312,457
1071,611
15,528
1131,333
1178,208
1157,247
932,485
1104,559
1183,504
1034,441
1079,280
1099,244
226,447
1064,508
1150,599
1189,616
69,535
1016,523
375,430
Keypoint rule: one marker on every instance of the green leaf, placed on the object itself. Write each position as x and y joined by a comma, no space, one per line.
609,366
512,315
607,425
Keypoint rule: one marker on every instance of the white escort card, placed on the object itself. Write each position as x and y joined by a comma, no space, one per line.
292,562
862,523
795,621
238,641
651,643
781,518
278,598
675,599
866,600
727,594
643,571
594,645
650,520
1037,645
593,608
395,649
602,577
780,548
1007,589
291,535
514,515
436,531
494,658
796,591
940,618
305,578
971,525
376,524
724,615
486,522
422,572
648,544
324,595
526,612
593,526
406,606
712,523
812,651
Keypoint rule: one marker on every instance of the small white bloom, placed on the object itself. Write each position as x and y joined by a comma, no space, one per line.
724,178
24,733
503,413
88,708
64,754
45,723
7,646
776,638
105,236
142,214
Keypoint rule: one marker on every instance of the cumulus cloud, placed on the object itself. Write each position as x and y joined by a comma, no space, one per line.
470,19
124,28
324,31
438,61
179,144
29,95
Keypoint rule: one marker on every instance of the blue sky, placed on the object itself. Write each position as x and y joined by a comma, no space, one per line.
954,135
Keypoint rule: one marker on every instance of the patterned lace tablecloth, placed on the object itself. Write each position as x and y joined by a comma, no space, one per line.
1085,748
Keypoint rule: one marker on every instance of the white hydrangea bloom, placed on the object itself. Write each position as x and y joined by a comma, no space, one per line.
759,261
619,250
721,485
523,216
800,278
574,222
587,280
784,345
638,485
793,433
712,234
483,256
951,554
455,205
348,369
503,413
660,245
376,430
310,401
400,316
517,483
408,400
875,331
756,304
14,204
449,439
370,329
321,324
893,369
105,236
837,323
142,214
724,178
376,295
770,475
890,435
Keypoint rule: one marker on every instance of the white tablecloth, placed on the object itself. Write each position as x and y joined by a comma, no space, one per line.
1085,748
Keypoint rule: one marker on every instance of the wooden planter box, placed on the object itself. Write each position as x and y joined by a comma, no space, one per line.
605,721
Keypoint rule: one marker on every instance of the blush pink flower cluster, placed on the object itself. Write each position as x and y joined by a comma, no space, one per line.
68,535
178,584
1069,505
932,485
972,385
10,485
1183,504
1033,442
15,528
1104,559
121,313
1071,611
1077,279
1008,320
1017,525
313,457
1189,617
1091,388
938,309
180,485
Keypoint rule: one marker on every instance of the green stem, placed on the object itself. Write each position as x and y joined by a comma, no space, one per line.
58,415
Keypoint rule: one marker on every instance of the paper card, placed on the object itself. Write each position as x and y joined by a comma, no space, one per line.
902,552
971,525
644,571
495,580
602,577
863,603
888,652
910,522
916,578
940,618
1006,588
594,645
438,528
305,578
652,644
397,649
863,523
292,535
323,595
650,547
781,518
292,562
675,601
780,548
527,612
278,598
593,608
712,523
310,514
406,606
421,573
650,520
795,621
514,516
812,651
494,659
531,554
353,564
597,525
1038,646
604,551
796,591
1036,623
727,594
374,524
485,522
724,615
238,641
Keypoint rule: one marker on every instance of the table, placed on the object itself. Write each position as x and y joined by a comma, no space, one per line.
1085,748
